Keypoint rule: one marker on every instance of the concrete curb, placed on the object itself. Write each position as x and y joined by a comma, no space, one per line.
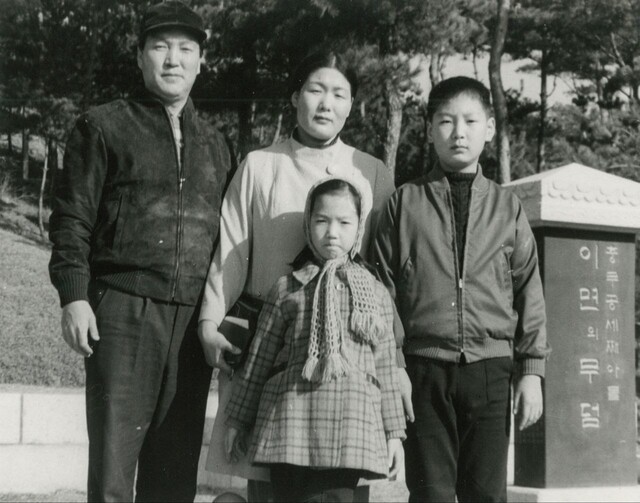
43,449
43,441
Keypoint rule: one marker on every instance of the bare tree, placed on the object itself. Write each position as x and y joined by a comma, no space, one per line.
497,92
395,105
45,169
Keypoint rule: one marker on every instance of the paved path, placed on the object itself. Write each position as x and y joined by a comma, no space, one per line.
382,491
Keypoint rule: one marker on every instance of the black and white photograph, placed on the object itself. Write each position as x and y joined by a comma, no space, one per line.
319,251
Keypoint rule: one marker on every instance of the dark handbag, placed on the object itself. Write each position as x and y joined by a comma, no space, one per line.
239,327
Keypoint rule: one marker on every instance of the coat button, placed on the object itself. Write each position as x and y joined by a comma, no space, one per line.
332,170
340,286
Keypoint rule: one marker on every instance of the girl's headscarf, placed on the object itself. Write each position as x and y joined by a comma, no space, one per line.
326,354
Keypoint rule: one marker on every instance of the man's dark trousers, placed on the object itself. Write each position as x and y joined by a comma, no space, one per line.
147,387
458,444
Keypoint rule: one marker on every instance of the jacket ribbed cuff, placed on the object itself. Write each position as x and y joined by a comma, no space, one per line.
400,358
72,287
396,434
534,366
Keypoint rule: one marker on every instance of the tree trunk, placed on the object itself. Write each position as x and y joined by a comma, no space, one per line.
394,123
47,148
475,61
442,59
54,167
497,91
25,154
425,146
599,88
244,128
434,73
9,145
276,135
246,109
540,164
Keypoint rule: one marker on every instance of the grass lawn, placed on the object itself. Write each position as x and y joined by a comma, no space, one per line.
33,351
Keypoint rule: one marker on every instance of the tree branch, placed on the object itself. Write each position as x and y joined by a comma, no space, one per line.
616,52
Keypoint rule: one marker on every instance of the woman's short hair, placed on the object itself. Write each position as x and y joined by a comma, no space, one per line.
322,59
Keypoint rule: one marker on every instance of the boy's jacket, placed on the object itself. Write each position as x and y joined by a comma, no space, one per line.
496,307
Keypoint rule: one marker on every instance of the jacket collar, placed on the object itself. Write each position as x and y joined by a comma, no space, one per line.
438,179
145,97
306,273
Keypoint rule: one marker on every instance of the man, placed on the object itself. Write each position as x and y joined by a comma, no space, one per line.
133,228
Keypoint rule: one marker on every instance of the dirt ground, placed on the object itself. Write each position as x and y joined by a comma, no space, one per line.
383,491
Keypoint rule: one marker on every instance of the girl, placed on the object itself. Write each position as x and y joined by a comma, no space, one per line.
321,381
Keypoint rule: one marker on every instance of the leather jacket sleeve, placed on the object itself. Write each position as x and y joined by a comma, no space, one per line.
385,257
75,207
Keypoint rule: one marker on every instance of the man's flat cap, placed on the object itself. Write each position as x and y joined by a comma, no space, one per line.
172,14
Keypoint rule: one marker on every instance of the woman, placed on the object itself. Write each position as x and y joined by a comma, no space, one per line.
261,229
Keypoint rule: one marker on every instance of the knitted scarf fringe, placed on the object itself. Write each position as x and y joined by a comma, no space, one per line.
326,369
366,327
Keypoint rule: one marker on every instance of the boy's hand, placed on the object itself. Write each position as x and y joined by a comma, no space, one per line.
235,446
395,455
527,403
78,323
405,393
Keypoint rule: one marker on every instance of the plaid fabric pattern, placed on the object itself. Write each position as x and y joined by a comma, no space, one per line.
343,423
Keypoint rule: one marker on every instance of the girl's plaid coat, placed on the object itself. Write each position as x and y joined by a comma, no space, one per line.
343,423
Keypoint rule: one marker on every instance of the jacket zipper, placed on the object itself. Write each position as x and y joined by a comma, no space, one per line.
181,180
462,279
459,279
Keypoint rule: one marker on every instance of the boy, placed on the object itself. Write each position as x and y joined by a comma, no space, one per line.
458,256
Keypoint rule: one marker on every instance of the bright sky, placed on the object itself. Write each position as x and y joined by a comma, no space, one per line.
512,77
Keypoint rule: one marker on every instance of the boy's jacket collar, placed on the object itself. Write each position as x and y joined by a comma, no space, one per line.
438,179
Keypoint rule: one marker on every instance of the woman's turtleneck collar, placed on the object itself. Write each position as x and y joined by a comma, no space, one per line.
296,136
323,158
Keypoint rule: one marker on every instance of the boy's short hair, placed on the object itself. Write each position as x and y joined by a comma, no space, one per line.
449,88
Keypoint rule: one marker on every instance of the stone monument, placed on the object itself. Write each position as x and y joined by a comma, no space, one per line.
585,223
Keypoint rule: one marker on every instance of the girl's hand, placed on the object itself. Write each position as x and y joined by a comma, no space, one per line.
405,393
235,445
395,456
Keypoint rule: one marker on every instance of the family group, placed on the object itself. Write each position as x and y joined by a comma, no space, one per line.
389,327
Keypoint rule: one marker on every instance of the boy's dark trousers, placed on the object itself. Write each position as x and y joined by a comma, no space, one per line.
147,387
459,441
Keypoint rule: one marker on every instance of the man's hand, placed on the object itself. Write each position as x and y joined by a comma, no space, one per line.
78,320
395,455
405,393
527,403
214,345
